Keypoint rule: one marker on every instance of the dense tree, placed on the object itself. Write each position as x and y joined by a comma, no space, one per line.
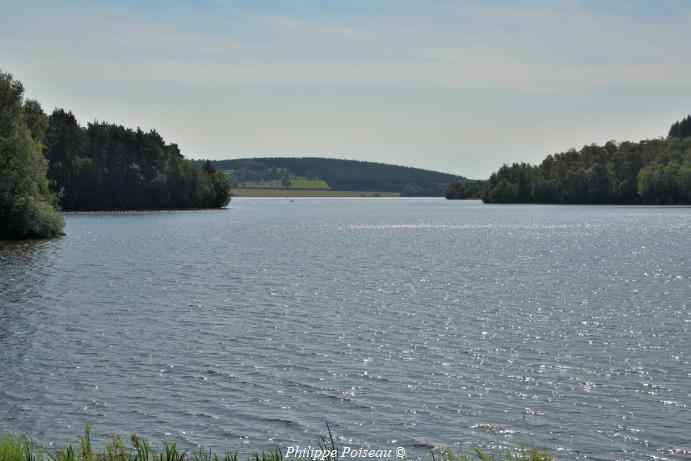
64,143
101,167
109,167
27,206
467,189
654,171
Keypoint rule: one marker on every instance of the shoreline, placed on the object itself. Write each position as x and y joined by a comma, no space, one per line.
283,192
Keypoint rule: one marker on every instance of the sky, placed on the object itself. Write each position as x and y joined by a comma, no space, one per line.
455,86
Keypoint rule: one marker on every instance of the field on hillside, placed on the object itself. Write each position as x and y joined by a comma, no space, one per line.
308,184
338,174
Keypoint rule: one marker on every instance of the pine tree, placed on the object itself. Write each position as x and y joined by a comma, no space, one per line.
681,129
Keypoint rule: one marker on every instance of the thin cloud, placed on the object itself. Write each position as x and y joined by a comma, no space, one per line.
293,25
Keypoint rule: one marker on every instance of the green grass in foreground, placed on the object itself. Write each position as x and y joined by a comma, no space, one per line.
14,448
308,184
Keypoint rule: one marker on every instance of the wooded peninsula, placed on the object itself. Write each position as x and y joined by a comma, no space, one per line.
653,172
50,162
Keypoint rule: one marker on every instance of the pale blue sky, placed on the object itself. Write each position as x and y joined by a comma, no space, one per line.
457,86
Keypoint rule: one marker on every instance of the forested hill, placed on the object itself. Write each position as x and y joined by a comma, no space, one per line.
654,171
339,174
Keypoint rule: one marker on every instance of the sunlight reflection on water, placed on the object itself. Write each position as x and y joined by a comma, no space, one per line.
406,320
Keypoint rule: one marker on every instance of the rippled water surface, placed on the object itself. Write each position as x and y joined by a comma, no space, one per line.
399,321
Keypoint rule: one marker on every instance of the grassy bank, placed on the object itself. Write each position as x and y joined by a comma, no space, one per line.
14,448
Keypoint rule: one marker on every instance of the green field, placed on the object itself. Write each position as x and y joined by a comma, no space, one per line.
277,183
308,184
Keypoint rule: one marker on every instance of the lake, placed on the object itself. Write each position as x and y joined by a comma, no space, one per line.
398,321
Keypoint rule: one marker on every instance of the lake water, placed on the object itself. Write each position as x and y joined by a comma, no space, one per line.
398,321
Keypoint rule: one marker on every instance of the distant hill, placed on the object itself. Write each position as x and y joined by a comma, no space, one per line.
352,175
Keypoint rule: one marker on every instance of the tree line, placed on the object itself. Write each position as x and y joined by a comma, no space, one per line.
655,171
50,162
105,166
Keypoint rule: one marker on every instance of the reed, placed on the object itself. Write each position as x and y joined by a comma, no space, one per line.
14,448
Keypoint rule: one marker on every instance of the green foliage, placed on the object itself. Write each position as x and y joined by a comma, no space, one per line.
274,454
86,451
467,189
21,449
171,453
12,449
27,206
339,174
109,167
522,454
35,119
656,171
